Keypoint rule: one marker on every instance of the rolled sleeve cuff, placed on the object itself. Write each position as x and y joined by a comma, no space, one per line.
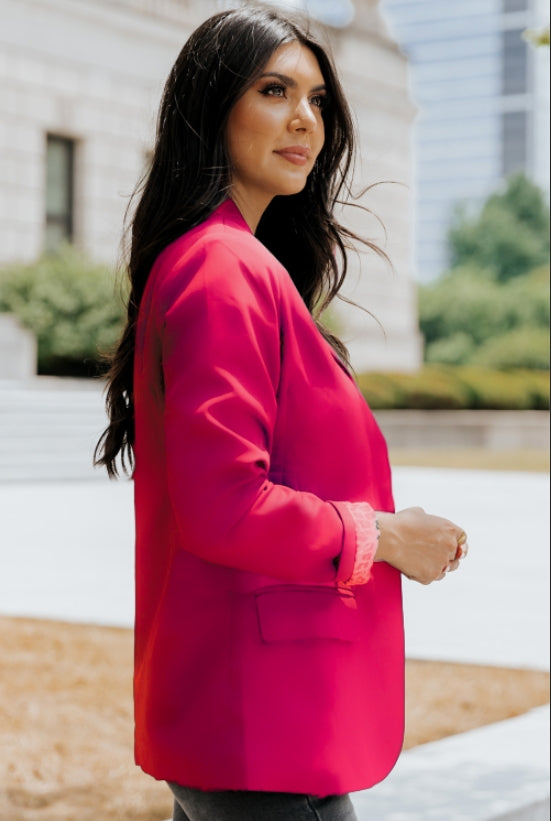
361,538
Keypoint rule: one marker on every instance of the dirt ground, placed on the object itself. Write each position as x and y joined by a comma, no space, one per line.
66,719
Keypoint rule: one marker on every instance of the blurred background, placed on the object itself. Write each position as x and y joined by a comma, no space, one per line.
452,110
451,102
452,105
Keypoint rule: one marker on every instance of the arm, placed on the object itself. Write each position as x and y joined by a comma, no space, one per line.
221,361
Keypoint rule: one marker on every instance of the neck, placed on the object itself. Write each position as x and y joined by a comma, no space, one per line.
251,208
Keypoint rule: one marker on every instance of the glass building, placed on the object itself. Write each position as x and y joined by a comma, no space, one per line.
483,96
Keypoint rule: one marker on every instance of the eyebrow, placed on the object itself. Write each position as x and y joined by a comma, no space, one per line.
290,81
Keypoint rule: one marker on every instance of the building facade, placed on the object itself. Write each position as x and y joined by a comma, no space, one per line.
81,82
483,97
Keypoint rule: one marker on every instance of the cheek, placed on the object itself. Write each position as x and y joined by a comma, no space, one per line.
319,139
252,126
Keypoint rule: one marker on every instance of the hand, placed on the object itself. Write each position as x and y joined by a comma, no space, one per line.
423,547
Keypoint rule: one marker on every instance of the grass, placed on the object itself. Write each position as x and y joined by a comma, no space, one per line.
66,719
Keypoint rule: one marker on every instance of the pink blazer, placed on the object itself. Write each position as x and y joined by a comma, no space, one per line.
255,666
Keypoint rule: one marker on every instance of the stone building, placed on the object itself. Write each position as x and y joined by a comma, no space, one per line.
80,86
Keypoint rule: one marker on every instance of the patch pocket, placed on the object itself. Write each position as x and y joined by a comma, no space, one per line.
302,613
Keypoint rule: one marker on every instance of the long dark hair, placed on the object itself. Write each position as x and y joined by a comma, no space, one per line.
190,175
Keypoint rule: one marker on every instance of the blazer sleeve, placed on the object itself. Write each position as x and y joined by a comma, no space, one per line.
221,359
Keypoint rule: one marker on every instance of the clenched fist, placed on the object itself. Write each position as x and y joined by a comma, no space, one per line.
423,547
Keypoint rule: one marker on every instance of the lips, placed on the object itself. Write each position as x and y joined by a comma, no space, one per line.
297,154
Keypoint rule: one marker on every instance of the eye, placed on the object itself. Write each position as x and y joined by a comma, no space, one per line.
319,100
274,90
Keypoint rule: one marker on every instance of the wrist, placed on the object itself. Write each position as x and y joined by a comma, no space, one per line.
388,544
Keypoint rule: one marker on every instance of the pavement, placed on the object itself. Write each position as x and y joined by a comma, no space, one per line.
67,553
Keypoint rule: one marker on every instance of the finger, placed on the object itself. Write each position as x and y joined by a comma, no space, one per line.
462,550
452,565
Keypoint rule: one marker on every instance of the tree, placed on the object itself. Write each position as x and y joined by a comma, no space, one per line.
468,318
510,235
492,307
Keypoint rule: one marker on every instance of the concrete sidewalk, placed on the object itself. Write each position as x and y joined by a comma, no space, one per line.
495,773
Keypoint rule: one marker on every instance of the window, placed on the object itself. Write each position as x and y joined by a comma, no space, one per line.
514,124
514,62
59,191
515,5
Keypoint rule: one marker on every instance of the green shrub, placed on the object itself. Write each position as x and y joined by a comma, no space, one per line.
437,388
534,384
465,301
382,390
456,349
70,305
468,319
497,390
525,347
429,388
526,299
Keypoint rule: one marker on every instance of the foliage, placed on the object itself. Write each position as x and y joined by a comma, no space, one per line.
441,388
69,303
467,318
538,37
510,235
492,308
520,348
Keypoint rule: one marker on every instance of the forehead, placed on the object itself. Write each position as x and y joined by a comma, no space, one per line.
296,61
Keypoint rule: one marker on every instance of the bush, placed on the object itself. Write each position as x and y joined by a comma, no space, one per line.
466,301
468,319
526,299
520,348
382,390
437,388
70,305
501,390
456,349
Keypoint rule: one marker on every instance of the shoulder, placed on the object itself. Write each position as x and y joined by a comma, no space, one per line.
219,257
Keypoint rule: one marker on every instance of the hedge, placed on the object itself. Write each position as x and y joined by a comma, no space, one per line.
70,304
461,388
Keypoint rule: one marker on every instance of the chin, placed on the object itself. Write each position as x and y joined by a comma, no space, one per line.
289,190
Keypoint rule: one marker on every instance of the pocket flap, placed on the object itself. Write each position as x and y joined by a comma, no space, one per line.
302,613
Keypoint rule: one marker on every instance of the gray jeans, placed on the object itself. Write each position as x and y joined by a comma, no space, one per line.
238,805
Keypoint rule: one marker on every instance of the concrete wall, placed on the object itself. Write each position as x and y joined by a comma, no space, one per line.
486,430
18,349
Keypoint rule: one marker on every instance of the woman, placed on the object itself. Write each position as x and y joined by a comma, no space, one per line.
269,643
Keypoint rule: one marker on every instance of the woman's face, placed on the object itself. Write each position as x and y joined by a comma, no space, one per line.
275,130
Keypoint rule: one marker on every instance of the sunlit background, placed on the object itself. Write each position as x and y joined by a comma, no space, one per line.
451,102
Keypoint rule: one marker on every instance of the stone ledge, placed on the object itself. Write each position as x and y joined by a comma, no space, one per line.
17,349
489,429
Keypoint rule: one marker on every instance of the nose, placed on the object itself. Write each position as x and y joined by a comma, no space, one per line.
304,119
